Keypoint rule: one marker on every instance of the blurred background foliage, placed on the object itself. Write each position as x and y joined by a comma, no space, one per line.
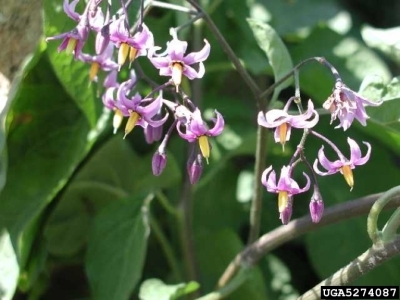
75,223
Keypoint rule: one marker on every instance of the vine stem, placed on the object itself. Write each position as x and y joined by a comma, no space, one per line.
228,50
372,223
270,241
370,259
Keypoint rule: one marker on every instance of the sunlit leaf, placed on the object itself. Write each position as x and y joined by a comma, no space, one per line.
156,289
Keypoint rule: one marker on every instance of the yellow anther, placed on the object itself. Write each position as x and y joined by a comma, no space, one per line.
117,120
283,199
133,118
204,147
348,175
177,70
123,53
132,54
71,45
94,69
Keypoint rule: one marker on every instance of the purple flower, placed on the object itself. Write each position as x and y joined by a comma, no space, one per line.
343,165
74,40
175,64
135,45
286,186
196,129
346,105
140,111
283,122
286,214
102,61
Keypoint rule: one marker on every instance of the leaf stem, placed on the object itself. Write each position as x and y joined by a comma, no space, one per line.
369,260
165,203
273,239
165,245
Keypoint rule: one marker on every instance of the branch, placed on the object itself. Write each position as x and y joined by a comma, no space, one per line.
369,260
270,241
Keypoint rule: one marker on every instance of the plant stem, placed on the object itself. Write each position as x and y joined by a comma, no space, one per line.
165,203
228,50
171,6
370,259
270,241
165,245
372,222
390,230
239,279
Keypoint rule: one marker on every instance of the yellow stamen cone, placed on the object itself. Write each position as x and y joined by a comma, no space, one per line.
348,175
132,54
122,53
94,69
177,70
133,118
283,199
117,120
283,128
204,147
71,45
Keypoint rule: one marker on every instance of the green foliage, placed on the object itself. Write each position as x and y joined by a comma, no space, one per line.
117,248
155,289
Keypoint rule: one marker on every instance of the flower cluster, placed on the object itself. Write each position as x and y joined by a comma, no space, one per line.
117,42
344,104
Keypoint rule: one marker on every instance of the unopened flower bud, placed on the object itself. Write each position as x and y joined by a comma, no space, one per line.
316,206
195,168
159,162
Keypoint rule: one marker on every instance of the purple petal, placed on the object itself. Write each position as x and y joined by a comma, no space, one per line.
176,49
355,157
315,167
199,56
69,9
326,163
191,73
152,109
189,136
218,126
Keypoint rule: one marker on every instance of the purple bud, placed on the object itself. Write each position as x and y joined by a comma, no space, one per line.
195,168
286,214
316,206
158,163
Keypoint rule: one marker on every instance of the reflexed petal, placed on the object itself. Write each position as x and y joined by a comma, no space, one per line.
355,157
307,186
69,9
199,56
315,167
150,110
160,62
326,163
189,136
272,118
191,73
218,126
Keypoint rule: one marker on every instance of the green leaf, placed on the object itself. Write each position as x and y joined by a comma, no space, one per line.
155,289
383,40
73,75
9,270
47,137
276,51
215,250
384,121
114,172
117,248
